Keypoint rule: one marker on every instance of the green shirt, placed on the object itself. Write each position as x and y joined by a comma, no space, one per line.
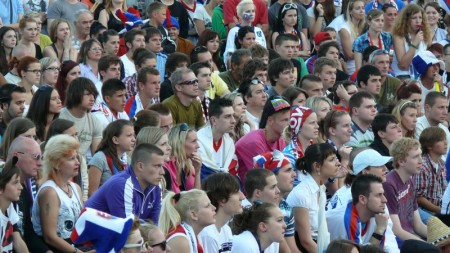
388,91
228,78
218,24
191,115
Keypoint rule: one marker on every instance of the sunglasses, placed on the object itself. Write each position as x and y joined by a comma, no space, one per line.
162,244
190,82
140,245
256,81
36,157
287,7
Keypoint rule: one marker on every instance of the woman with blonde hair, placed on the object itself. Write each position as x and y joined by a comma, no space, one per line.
185,161
29,32
108,17
154,238
60,33
352,28
411,35
320,105
243,126
90,54
58,202
406,113
183,216
50,68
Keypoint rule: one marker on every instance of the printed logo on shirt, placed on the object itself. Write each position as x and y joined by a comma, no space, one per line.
225,247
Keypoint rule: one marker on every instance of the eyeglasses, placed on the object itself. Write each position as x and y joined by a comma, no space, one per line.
190,82
54,69
34,71
287,7
140,245
96,49
162,244
35,157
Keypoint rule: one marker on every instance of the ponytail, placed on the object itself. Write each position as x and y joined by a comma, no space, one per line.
250,218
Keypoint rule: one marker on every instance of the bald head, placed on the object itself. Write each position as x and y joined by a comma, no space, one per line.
21,51
22,144
29,156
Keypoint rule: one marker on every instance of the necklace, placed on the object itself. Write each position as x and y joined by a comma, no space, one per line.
66,192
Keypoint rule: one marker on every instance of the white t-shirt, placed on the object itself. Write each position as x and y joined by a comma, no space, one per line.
245,242
128,66
6,228
253,119
10,78
306,195
214,241
233,33
202,14
105,116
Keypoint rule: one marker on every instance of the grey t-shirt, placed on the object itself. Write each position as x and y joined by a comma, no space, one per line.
303,21
65,10
99,161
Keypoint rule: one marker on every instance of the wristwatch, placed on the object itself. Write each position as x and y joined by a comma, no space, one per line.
377,236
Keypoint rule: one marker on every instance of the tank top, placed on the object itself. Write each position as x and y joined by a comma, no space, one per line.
69,210
114,23
410,71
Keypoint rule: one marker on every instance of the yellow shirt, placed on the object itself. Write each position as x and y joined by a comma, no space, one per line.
44,41
218,87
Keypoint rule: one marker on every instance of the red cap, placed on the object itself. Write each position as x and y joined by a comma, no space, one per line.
321,37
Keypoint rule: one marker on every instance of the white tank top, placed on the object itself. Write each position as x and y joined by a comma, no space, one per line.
410,71
69,210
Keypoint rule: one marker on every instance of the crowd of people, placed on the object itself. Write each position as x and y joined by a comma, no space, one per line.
238,126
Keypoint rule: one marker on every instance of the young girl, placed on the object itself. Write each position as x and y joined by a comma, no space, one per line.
185,163
29,31
406,113
288,23
295,96
111,155
8,40
308,197
258,229
433,15
373,37
210,40
90,53
411,35
44,108
245,37
62,48
29,69
410,90
70,70
243,125
320,105
183,216
10,189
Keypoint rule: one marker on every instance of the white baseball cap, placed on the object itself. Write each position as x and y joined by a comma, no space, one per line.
368,158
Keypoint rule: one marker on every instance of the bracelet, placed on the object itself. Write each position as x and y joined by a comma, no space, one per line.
413,46
320,16
377,236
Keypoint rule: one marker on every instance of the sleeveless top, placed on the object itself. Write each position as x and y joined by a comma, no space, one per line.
69,210
186,231
54,48
114,23
410,71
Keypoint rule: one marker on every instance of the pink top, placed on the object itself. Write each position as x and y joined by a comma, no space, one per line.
189,182
251,145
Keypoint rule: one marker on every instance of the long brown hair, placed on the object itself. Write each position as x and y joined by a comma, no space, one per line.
401,25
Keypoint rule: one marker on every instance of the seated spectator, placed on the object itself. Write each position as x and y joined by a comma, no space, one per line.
82,23
319,39
113,198
202,71
255,98
62,48
406,113
70,70
268,137
242,124
286,46
174,61
153,40
142,58
368,204
50,68
295,96
134,39
111,156
248,230
224,192
113,106
411,91
165,116
173,30
11,188
29,69
108,17
331,50
180,213
362,111
431,182
183,104
233,76
61,198
325,69
12,99
28,32
148,83
8,38
154,238
210,40
18,52
341,94
281,76
90,53
255,69
185,161
320,105
343,246
260,52
308,198
386,130
400,193
312,85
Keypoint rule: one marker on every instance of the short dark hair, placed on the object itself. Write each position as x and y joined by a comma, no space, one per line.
362,186
7,90
111,86
367,52
150,32
380,122
357,99
140,55
245,90
430,136
9,170
106,61
104,37
333,95
322,62
285,37
242,32
130,35
160,108
216,106
251,67
76,89
315,153
143,153
255,179
307,79
195,67
219,187
323,49
196,51
365,72
143,72
291,93
276,67
432,96
174,59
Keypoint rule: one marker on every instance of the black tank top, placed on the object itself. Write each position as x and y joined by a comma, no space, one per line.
114,23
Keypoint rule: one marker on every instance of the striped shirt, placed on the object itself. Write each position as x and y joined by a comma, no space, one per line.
359,137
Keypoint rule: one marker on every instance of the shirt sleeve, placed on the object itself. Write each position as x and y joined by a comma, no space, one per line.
54,11
298,198
99,161
389,193
422,181
97,131
120,203
156,209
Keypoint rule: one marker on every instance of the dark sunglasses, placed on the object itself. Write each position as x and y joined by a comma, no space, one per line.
190,82
162,244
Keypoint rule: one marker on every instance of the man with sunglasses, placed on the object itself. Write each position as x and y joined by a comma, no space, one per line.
389,84
29,161
183,105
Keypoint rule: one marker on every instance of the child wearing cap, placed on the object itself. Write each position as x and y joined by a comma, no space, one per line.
173,27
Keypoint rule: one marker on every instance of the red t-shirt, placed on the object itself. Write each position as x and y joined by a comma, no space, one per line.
261,12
